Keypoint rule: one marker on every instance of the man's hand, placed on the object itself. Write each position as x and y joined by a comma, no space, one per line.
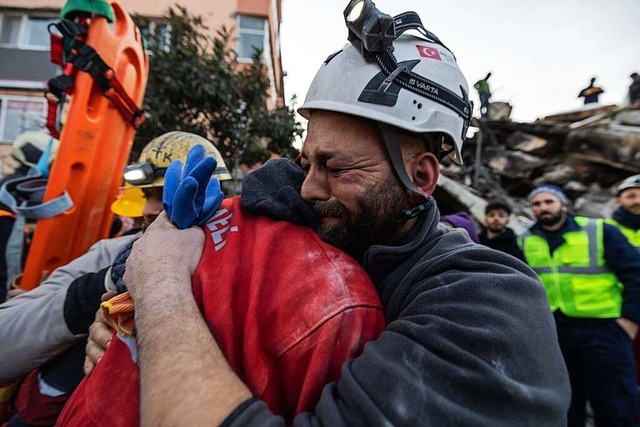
163,255
99,338
631,328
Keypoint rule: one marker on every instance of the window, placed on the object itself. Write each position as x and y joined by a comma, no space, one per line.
251,33
37,32
25,32
10,29
19,114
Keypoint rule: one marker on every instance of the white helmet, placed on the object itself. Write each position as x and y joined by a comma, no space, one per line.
347,83
631,182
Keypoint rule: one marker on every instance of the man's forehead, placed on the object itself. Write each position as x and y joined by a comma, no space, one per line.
630,191
545,197
340,135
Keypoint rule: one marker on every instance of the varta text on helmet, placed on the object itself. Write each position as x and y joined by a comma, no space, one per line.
161,151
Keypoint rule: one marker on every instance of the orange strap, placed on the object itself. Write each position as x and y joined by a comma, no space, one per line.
7,213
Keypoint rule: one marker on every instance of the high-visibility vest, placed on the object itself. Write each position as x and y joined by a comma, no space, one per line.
576,277
632,235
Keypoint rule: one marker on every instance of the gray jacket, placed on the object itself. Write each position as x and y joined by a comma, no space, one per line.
470,341
32,325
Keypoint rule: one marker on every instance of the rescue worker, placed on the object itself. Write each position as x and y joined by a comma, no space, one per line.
627,219
496,234
627,216
484,92
634,91
592,277
458,348
46,326
27,149
591,93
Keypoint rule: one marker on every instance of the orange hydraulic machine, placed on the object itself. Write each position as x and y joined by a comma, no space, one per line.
102,86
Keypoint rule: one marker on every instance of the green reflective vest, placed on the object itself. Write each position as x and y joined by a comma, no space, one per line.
576,277
632,235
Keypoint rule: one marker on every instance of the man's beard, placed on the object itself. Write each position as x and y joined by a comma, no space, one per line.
497,229
633,209
553,219
374,221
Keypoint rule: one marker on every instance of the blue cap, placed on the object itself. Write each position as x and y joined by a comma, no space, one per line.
549,189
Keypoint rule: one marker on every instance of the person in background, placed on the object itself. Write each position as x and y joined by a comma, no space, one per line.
634,91
591,92
592,277
27,149
463,221
43,331
496,234
627,219
484,92
128,208
627,216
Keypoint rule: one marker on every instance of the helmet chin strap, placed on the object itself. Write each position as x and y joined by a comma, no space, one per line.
392,142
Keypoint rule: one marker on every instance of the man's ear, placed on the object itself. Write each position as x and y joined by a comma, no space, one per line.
424,170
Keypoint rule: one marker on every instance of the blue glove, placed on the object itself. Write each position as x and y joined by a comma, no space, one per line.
191,195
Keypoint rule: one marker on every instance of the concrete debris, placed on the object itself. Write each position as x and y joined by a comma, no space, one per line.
587,152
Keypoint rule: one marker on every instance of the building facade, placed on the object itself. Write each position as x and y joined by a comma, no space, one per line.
25,64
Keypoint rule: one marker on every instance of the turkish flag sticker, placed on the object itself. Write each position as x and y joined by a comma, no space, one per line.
429,52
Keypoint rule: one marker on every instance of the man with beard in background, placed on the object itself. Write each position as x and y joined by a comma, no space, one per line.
592,277
627,217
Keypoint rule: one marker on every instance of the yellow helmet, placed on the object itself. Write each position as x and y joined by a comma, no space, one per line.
161,151
130,202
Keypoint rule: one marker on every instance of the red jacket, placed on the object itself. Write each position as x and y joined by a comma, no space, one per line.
286,309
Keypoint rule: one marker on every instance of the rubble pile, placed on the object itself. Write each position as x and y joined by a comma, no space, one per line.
586,152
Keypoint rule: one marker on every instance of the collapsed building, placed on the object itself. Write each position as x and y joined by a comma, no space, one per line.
586,152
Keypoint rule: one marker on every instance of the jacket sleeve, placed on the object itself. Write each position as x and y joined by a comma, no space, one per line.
315,360
33,328
624,260
467,344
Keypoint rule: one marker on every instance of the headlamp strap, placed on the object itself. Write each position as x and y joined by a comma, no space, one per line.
390,137
411,21
391,141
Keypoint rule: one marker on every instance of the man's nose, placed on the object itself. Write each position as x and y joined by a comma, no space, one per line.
315,186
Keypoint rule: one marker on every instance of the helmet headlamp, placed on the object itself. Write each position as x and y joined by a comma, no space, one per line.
142,173
370,30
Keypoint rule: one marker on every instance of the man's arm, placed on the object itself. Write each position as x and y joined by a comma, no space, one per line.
33,326
173,340
624,260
